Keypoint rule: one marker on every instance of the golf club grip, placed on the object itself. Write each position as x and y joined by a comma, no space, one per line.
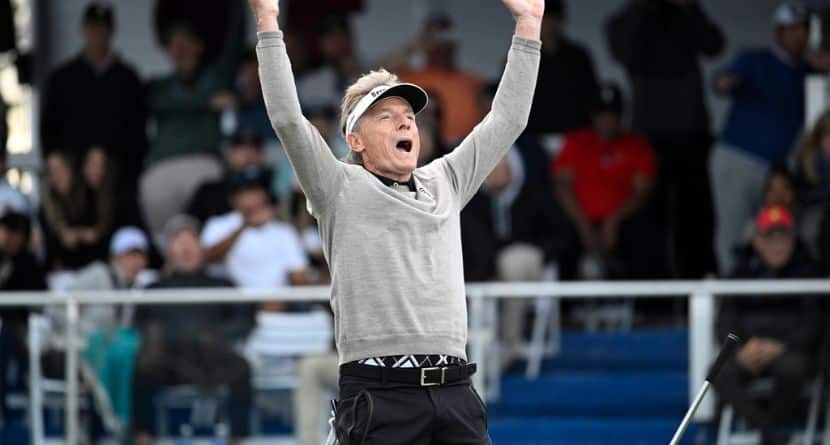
729,347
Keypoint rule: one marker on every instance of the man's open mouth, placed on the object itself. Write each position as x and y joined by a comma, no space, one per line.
404,145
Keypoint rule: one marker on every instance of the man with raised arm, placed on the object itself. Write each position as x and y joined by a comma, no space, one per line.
391,235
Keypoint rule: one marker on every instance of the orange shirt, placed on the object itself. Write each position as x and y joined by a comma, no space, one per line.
457,92
603,172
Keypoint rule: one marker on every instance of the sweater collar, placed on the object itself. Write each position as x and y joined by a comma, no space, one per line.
391,182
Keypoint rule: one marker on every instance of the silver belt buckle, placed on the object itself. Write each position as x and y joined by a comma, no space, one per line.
424,376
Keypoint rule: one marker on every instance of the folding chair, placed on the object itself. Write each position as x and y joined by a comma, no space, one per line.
813,392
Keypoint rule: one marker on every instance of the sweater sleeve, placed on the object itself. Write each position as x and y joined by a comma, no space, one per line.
470,163
318,171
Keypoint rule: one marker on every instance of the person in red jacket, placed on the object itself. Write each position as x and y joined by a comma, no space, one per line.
603,178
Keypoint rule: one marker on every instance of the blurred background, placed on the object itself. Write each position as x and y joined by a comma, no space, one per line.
671,143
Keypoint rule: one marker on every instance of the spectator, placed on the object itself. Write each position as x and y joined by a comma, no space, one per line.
779,189
98,177
257,250
127,259
813,184
767,91
324,84
567,81
511,234
316,375
456,89
823,243
211,198
185,107
781,333
251,113
604,176
11,199
112,348
190,343
69,217
20,271
96,99
813,169
659,43
116,206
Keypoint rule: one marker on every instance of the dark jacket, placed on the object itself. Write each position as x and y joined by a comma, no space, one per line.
185,123
19,273
213,198
794,320
534,218
183,321
566,89
824,243
659,45
82,108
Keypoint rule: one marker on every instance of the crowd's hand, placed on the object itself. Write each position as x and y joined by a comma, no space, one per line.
819,60
88,235
69,237
726,82
528,15
223,100
588,237
609,234
758,353
770,350
749,356
4,238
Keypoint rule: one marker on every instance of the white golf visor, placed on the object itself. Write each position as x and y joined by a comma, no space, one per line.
415,95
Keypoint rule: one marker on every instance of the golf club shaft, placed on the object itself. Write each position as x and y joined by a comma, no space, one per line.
690,413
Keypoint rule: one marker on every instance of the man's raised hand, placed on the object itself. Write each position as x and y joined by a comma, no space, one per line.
528,15
266,13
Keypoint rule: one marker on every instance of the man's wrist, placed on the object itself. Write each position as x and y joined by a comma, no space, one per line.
266,20
529,28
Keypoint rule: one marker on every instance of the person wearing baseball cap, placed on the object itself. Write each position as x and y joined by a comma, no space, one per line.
605,175
391,235
176,339
781,333
766,86
128,258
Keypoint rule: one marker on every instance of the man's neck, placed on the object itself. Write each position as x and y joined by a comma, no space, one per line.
391,181
396,177
98,59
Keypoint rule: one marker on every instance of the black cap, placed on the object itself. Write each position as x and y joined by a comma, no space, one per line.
247,136
609,99
248,178
99,13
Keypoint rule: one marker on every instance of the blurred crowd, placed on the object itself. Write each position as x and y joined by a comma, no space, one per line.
179,180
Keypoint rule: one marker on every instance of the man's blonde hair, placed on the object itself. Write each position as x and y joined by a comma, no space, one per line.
360,88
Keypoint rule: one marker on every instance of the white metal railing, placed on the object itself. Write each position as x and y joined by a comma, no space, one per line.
482,328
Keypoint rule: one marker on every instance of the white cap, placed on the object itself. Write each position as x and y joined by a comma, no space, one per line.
127,239
415,95
790,13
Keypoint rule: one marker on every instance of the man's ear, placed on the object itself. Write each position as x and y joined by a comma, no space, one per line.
355,142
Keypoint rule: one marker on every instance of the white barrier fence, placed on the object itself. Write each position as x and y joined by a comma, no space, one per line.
483,296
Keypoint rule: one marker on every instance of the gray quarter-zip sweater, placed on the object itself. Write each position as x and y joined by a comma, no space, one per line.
395,258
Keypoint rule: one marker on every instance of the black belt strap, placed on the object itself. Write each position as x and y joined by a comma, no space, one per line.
433,376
